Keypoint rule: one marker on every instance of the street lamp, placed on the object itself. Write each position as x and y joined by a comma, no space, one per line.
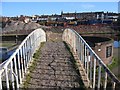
16,36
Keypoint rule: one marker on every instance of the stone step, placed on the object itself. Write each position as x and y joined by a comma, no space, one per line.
54,68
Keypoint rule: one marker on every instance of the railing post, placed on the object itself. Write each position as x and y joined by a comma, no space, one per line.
94,71
105,84
81,50
12,76
21,59
30,48
88,60
7,80
83,54
0,82
99,76
24,57
91,71
16,74
85,59
79,47
19,69
113,85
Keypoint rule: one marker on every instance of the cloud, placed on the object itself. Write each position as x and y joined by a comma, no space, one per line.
87,6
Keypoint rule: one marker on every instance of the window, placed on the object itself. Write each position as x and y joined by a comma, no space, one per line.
108,51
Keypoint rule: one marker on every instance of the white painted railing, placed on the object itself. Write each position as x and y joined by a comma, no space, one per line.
98,74
12,71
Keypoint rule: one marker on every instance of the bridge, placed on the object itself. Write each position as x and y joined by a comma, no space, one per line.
68,63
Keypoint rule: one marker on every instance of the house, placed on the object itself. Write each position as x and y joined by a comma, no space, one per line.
69,16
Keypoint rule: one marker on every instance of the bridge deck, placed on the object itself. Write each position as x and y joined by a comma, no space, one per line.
55,68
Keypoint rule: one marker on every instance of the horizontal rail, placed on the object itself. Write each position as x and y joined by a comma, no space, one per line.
87,56
12,71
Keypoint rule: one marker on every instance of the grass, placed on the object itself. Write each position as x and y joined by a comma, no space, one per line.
115,63
7,44
33,65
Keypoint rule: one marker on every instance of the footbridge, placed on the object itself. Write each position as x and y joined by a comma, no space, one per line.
65,64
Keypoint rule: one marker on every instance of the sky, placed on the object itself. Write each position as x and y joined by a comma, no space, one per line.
40,8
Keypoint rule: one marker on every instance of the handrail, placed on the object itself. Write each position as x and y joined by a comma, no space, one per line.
16,66
81,48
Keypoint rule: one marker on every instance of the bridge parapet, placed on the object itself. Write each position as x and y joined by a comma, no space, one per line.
97,73
12,71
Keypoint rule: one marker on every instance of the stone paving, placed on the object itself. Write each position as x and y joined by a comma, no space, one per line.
54,68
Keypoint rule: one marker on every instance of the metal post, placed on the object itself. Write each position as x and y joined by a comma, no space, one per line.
7,80
113,85
0,82
21,59
12,76
85,59
16,74
105,84
19,67
79,47
24,57
99,76
81,50
83,55
30,48
94,71
88,66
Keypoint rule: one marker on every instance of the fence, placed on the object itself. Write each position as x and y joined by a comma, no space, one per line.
13,70
98,74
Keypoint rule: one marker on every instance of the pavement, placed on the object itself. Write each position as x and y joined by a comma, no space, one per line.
55,69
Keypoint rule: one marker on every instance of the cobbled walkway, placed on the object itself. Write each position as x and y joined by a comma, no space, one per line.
54,68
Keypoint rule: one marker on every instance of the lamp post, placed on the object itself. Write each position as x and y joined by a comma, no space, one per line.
16,37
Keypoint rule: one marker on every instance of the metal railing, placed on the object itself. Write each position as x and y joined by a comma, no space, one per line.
12,71
98,74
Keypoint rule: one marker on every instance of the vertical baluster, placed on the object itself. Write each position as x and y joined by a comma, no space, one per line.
12,76
88,60
0,82
7,79
85,59
24,59
30,48
19,68
99,76
32,45
26,54
34,42
80,50
113,85
94,71
79,47
27,50
73,41
21,59
16,72
105,84
83,55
